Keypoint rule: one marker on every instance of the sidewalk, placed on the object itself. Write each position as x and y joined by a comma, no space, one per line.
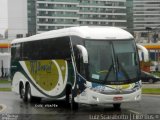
5,85
155,85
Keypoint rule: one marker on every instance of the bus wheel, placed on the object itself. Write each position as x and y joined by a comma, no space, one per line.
67,103
70,103
74,105
22,93
28,94
31,98
117,106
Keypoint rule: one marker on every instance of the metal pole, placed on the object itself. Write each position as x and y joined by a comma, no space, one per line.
148,37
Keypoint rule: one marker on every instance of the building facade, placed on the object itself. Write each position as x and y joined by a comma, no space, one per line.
29,17
146,14
55,14
13,19
4,58
3,18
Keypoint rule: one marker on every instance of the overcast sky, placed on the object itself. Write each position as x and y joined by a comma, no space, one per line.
3,16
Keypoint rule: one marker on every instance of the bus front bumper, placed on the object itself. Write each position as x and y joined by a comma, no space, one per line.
93,97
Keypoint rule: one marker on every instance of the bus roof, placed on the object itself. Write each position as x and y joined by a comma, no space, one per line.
88,32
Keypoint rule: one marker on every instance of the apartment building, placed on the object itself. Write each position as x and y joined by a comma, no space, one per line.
13,18
146,14
55,14
29,17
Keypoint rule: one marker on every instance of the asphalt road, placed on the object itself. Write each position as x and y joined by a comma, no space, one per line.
13,107
5,85
144,84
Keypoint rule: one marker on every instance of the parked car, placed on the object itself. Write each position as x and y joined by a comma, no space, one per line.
147,77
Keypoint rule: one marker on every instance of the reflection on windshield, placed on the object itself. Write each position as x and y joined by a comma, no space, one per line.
111,61
126,60
100,60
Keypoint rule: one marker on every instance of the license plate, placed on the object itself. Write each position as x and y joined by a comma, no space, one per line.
118,98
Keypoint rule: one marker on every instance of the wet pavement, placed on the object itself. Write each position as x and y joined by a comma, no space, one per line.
14,107
5,85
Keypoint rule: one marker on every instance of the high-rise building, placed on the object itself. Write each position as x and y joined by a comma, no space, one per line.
32,16
55,14
13,18
146,14
29,17
129,12
3,18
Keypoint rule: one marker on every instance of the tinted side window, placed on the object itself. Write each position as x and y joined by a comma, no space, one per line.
77,40
54,48
16,51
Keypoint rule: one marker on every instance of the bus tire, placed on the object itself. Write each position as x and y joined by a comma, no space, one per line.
28,94
74,105
117,106
67,103
22,92
70,103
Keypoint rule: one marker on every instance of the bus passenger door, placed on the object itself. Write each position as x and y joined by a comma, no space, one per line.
81,73
15,58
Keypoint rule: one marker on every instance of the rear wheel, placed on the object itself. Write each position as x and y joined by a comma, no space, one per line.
28,92
31,98
23,93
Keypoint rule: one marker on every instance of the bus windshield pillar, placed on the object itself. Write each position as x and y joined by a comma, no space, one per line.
84,53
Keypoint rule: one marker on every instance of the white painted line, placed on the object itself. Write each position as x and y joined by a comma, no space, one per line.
135,112
2,107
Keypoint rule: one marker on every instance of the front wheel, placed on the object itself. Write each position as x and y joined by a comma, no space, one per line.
74,105
117,106
70,103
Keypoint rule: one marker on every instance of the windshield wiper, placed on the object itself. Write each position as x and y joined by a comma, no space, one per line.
110,69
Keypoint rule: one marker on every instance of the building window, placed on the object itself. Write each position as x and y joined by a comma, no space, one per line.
19,35
143,34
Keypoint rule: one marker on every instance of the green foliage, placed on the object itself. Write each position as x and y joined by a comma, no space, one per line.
5,89
151,91
3,81
156,73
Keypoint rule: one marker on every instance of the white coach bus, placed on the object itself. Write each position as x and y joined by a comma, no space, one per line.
90,65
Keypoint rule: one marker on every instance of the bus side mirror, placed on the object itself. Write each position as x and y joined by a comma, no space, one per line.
84,53
145,53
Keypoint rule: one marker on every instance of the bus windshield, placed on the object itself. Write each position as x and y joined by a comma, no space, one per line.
112,61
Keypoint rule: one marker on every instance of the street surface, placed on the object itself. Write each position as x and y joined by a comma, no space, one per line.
13,107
